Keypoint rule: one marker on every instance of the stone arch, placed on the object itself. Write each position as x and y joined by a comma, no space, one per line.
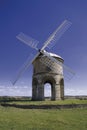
51,81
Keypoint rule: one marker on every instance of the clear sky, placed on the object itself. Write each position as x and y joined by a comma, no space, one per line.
38,19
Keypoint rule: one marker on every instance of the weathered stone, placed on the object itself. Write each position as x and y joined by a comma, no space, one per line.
47,71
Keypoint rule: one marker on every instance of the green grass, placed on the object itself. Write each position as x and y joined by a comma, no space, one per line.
47,102
39,119
20,119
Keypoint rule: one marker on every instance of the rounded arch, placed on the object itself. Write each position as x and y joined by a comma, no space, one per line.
48,79
51,81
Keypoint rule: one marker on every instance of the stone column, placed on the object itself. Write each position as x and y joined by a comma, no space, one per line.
57,92
52,92
40,91
34,90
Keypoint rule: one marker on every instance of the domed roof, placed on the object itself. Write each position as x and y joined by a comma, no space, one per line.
55,55
52,55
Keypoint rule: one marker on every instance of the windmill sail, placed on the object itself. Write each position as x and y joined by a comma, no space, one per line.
27,40
51,41
55,36
24,67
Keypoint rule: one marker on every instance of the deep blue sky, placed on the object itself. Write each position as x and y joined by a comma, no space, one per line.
38,19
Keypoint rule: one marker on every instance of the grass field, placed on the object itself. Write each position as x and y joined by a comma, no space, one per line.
48,102
43,119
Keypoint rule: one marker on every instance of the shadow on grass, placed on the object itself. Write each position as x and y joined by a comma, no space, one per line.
66,106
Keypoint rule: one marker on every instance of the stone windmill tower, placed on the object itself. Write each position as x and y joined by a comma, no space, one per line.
43,74
47,67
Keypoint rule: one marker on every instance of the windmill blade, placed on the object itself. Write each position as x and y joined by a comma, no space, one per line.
27,40
70,73
25,66
55,36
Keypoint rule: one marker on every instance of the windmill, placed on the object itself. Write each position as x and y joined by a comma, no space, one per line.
49,59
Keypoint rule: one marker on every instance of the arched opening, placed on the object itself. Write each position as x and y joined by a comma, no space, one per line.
47,91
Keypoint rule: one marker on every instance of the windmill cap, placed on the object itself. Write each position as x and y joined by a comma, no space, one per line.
55,55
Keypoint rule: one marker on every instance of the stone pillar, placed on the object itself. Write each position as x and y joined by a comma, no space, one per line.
52,92
59,87
40,92
34,89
